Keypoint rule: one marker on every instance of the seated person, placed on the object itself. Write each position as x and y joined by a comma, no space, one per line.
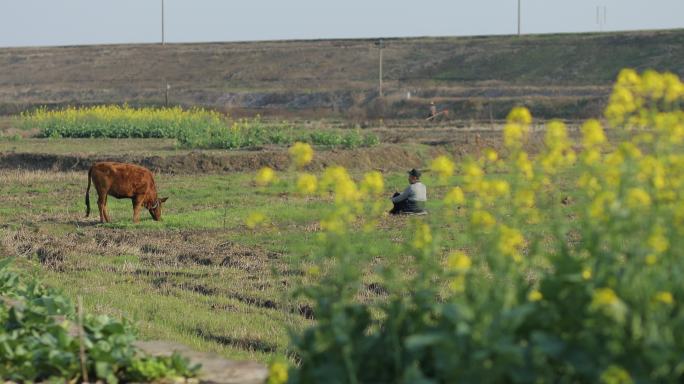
413,199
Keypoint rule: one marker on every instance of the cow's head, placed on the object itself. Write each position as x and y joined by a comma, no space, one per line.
155,208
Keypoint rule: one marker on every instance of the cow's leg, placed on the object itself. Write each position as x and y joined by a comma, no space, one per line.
106,212
137,206
102,205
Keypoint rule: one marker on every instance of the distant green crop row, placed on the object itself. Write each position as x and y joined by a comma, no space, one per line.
194,128
254,132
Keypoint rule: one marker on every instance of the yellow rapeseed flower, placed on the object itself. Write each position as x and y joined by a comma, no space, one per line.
615,113
333,224
519,115
457,284
443,167
491,155
674,89
277,373
657,240
524,198
254,220
307,183
597,208
472,176
625,98
459,262
313,271
556,135
332,175
423,237
339,220
265,176
372,183
511,242
534,295
591,156
629,78
524,165
664,297
592,133
604,297
615,374
454,197
482,219
653,84
629,150
338,180
637,198
586,273
301,153
514,134
500,187
653,171
347,191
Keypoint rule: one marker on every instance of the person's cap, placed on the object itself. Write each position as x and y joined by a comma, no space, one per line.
414,172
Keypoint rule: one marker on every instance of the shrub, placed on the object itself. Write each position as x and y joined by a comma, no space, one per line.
39,340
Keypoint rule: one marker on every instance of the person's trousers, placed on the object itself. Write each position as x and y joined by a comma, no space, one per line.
406,206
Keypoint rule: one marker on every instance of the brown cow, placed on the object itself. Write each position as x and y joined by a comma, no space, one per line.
123,181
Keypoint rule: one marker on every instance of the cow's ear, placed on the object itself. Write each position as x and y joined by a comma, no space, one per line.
163,199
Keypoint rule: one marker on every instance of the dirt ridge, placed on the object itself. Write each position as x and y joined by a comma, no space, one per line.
384,157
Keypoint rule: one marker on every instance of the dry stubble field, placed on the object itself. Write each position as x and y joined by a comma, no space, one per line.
201,276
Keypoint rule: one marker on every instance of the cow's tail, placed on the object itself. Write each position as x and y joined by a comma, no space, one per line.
87,196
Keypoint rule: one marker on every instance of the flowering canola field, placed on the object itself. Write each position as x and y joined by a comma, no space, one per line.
193,128
568,267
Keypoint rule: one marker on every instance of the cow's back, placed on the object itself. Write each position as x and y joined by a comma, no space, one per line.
122,180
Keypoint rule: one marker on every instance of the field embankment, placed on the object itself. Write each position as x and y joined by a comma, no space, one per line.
478,78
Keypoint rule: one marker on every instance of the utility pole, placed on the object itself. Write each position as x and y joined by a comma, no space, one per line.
380,44
601,21
519,17
162,23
